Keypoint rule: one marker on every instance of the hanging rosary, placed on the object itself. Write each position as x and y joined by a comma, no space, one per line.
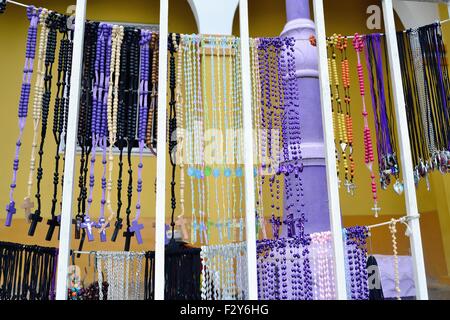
33,17
133,86
356,248
122,125
84,126
112,111
342,45
393,231
59,117
358,44
52,25
28,205
143,111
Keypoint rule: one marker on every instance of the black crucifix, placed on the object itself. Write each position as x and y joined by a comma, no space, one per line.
128,235
117,227
52,224
35,218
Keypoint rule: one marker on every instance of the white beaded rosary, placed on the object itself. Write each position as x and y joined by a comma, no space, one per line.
393,230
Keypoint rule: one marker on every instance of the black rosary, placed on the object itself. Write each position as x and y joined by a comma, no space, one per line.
133,87
174,41
121,124
84,127
59,117
52,23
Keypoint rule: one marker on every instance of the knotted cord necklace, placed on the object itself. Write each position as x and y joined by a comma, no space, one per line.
386,157
37,109
133,87
33,17
84,127
418,148
358,44
173,48
122,123
58,120
435,66
52,24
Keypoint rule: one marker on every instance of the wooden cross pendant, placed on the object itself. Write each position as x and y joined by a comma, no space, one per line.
181,222
27,205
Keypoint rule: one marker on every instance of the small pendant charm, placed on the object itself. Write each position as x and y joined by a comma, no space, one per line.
399,187
376,210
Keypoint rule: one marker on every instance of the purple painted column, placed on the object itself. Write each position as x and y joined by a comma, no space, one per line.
301,27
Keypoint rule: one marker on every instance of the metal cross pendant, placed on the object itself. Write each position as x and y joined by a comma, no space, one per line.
376,210
348,186
27,205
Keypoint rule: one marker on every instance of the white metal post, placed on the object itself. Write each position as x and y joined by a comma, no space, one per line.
248,152
332,181
71,145
161,157
405,151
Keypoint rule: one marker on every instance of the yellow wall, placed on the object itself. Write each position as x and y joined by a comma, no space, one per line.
267,18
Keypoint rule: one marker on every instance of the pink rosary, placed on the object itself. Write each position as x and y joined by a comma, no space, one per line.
358,44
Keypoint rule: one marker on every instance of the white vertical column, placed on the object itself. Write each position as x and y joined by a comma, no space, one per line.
162,149
248,152
71,145
332,181
405,151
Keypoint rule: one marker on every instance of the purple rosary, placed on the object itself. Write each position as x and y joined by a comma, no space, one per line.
105,63
356,253
142,127
33,16
98,125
